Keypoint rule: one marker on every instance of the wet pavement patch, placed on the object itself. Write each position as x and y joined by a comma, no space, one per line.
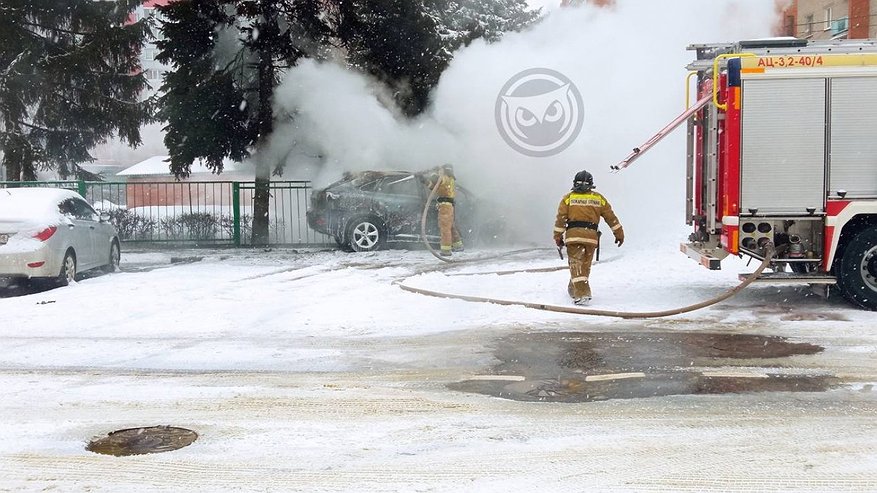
139,441
584,367
813,317
787,313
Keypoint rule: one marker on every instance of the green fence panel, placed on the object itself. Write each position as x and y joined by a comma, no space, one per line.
196,213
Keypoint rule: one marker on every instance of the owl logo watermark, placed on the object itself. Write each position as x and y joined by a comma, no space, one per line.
539,112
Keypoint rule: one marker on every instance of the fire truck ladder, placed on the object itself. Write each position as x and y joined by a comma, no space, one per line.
639,151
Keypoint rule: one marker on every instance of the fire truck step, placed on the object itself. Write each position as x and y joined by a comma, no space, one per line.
792,278
709,257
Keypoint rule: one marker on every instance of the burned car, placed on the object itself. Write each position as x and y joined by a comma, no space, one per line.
367,211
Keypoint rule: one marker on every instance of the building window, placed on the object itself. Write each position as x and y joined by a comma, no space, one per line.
808,28
840,27
827,18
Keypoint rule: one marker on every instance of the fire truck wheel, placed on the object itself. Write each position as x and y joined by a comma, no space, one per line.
857,275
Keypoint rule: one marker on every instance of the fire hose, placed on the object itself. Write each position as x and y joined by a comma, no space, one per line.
423,236
730,293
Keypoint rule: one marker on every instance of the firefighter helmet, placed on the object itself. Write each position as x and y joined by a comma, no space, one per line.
583,182
448,169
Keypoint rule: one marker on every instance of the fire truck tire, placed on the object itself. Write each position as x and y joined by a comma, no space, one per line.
857,272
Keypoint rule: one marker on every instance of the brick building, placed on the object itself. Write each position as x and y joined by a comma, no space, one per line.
830,19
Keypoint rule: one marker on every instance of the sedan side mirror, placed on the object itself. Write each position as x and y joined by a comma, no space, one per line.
104,217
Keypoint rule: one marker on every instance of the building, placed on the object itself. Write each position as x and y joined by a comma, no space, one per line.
152,69
830,19
150,183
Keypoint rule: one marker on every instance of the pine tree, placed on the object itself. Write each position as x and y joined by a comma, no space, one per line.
400,43
408,44
226,57
69,80
468,20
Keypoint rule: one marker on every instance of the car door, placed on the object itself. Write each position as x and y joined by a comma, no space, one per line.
97,235
77,232
402,198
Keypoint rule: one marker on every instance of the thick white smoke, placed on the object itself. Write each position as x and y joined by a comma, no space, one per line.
627,61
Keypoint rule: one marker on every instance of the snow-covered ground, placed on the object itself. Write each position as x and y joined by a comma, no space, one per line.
311,371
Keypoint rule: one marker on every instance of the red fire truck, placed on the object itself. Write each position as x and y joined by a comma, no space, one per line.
782,149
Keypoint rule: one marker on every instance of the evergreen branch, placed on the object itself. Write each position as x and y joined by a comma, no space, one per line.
44,129
55,28
10,67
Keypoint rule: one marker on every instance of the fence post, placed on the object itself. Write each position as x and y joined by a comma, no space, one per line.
236,212
82,188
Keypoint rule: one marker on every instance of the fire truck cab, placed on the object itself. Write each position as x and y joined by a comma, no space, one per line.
782,150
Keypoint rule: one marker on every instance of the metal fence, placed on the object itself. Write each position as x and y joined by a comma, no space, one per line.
210,212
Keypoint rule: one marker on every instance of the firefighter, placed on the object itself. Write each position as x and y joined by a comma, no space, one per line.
451,241
578,218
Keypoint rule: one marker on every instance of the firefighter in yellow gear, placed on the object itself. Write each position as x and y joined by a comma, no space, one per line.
576,226
451,241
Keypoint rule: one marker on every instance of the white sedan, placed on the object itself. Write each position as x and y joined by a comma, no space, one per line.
50,233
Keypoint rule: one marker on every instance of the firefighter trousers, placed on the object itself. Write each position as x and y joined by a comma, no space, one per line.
580,258
450,234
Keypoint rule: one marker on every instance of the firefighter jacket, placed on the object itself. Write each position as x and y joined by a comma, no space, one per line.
447,190
578,215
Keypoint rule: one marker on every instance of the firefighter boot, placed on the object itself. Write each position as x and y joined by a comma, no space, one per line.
457,246
584,300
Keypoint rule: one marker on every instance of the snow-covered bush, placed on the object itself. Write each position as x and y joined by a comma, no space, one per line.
191,226
130,225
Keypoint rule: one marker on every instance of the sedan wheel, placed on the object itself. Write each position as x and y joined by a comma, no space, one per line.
68,269
115,258
365,236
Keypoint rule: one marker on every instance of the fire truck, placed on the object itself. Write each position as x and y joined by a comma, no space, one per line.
782,158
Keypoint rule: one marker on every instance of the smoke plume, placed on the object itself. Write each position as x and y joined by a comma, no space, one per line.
628,62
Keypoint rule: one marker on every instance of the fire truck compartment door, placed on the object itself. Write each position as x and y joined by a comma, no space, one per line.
853,166
783,145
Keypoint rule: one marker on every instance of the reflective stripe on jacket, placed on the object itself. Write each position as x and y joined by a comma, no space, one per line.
447,188
584,207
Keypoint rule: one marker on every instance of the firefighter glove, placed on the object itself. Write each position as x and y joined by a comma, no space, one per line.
619,240
559,242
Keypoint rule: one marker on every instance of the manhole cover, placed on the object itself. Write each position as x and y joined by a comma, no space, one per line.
138,441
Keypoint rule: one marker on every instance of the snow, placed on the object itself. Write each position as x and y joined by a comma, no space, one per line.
160,165
311,371
170,211
37,205
24,212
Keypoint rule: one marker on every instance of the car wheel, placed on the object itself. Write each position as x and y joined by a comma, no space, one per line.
115,258
68,269
365,235
857,274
